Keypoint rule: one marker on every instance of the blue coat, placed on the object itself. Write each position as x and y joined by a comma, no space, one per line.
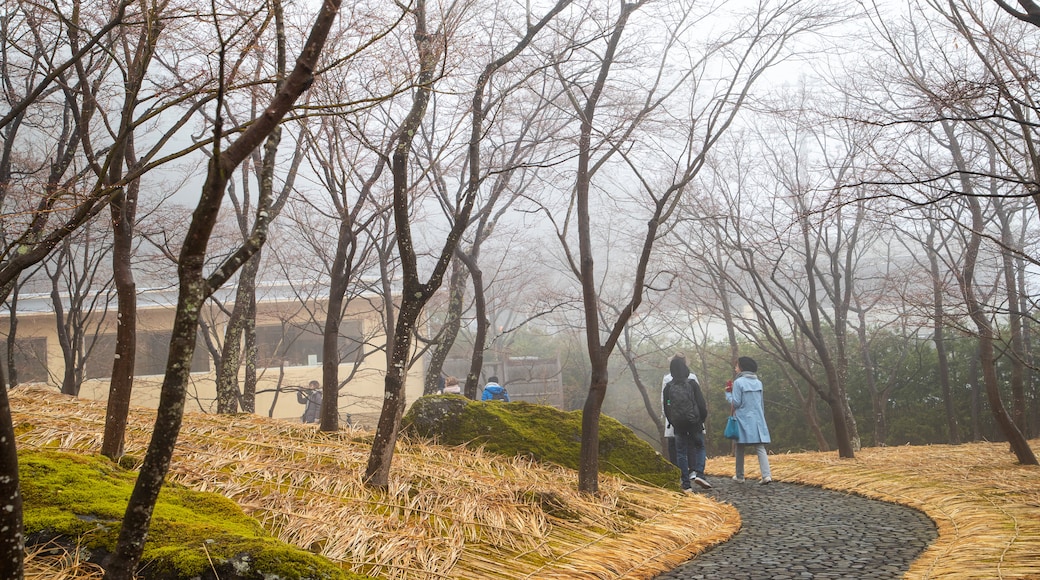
491,389
748,407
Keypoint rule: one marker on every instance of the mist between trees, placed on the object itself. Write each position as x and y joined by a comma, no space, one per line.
847,192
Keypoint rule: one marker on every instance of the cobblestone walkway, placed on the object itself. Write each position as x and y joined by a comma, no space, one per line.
795,532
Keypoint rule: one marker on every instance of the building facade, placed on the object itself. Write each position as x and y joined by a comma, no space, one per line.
289,353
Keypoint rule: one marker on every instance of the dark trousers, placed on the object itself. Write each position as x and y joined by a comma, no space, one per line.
695,455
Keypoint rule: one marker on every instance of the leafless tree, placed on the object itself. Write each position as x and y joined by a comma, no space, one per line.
137,52
241,321
81,291
977,104
36,77
415,293
586,73
195,286
353,209
522,129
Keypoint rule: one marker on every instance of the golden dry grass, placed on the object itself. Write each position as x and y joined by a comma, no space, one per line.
985,505
448,512
453,513
56,563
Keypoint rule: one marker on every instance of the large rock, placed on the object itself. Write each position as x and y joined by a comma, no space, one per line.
540,432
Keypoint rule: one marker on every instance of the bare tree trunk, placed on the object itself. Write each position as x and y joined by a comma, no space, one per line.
12,541
1032,421
449,332
1017,357
228,393
939,338
414,294
249,385
339,279
124,210
241,320
12,336
588,460
987,360
976,396
476,362
62,324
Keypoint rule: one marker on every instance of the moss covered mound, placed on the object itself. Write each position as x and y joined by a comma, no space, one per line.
76,503
541,432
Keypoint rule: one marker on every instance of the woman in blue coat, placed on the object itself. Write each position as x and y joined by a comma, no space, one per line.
745,395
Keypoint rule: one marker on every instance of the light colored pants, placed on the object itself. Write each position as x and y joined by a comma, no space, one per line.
763,459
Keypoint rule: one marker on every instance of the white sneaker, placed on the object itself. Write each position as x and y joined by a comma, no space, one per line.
701,482
738,479
766,480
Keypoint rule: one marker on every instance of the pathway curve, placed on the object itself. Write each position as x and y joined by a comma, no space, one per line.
799,532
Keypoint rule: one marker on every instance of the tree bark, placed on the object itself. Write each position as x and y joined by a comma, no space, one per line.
12,540
339,280
476,361
449,332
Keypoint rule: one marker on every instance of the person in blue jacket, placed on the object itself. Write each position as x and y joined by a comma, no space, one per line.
745,395
494,391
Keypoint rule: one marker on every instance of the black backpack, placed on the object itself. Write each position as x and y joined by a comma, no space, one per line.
499,395
680,405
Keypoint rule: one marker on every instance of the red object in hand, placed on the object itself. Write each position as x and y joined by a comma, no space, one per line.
729,386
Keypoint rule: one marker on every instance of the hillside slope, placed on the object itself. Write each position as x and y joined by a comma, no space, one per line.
449,512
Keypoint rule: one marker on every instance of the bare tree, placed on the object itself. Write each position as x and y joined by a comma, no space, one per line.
988,134
242,319
80,296
987,358
137,56
30,84
506,151
194,287
355,213
415,294
753,49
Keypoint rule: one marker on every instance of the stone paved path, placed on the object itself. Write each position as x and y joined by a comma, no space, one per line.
795,532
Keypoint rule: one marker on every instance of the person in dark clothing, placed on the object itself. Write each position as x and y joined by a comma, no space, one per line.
311,396
692,437
669,432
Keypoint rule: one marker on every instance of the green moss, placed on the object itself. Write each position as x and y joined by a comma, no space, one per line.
80,500
541,432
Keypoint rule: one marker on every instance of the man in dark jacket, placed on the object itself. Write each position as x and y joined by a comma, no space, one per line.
690,438
312,398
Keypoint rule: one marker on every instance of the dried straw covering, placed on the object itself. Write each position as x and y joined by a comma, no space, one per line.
985,505
448,512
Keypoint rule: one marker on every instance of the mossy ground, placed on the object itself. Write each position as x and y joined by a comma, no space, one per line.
78,501
540,432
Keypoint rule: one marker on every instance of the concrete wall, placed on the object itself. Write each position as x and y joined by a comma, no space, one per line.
360,398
